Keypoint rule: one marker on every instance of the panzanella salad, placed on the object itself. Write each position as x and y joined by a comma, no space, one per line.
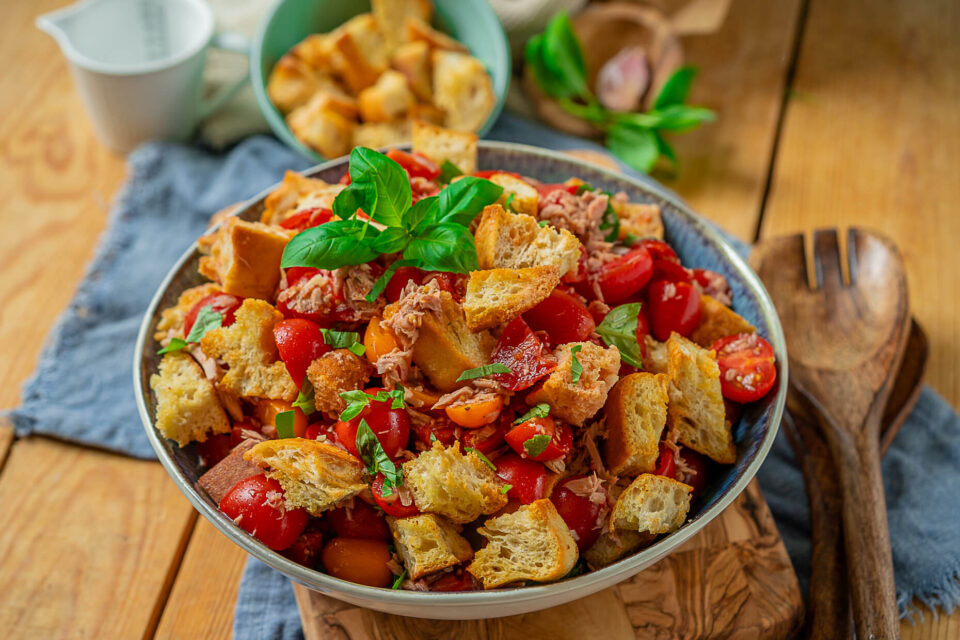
435,378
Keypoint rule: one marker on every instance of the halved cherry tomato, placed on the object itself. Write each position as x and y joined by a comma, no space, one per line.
666,463
391,504
476,414
316,429
378,341
267,411
697,478
358,560
345,178
560,434
520,350
391,426
579,274
527,477
486,174
488,439
299,343
747,371
296,274
306,550
670,271
563,316
581,514
257,505
459,581
659,250
223,303
359,521
307,219
415,164
674,306
625,276
543,189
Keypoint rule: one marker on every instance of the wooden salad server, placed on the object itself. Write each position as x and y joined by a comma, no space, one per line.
845,343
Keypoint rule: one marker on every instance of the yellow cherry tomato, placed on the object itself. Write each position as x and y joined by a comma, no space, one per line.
476,414
378,341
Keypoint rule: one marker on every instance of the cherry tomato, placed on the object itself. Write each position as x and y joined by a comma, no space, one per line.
345,178
358,560
306,550
257,505
666,463
378,341
296,274
299,343
223,303
674,306
659,250
218,446
391,504
563,316
359,521
670,271
527,477
544,189
747,371
317,429
579,274
307,219
415,164
520,350
267,411
486,174
476,414
713,284
697,478
488,439
460,581
581,514
560,434
391,426
625,276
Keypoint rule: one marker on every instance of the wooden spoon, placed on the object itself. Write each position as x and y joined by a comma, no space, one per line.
845,343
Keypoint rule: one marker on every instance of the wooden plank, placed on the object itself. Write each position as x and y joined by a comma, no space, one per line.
204,592
6,440
91,542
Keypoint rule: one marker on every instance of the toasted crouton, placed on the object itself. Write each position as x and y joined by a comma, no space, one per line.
497,296
696,411
316,50
172,318
427,113
334,373
636,413
640,220
391,15
282,201
389,98
381,134
463,89
250,351
187,406
717,320
413,61
293,81
322,128
525,197
419,31
314,475
577,403
428,543
653,504
441,144
451,484
533,543
360,52
244,257
613,545
516,241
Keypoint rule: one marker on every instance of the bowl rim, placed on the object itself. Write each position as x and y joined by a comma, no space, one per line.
279,126
613,573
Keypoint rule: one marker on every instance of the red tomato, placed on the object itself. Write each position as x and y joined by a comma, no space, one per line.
307,219
580,273
306,550
358,560
445,431
670,271
317,429
697,478
674,306
461,581
527,477
713,284
581,514
561,438
625,276
391,504
345,178
218,446
404,275
256,504
415,164
746,366
563,316
296,274
544,189
359,521
486,174
223,303
666,463
329,311
299,343
520,350
488,439
391,426
659,250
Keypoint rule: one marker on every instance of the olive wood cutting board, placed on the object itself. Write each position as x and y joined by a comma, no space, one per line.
733,580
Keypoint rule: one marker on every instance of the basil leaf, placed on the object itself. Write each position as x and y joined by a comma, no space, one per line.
619,329
356,196
207,320
336,244
284,424
340,339
665,149
634,145
485,370
385,277
396,396
482,457
676,88
357,349
423,213
305,398
505,488
553,86
562,54
399,580
176,344
680,117
433,437
390,240
536,445
586,186
444,247
448,171
390,181
509,202
356,401
376,459
541,410
611,221
462,200
542,223
576,369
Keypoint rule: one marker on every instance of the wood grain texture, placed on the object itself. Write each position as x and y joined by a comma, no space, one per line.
734,580
88,553
6,440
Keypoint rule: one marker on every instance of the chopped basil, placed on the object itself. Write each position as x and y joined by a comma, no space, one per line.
586,186
207,320
485,370
509,202
541,410
536,445
344,340
576,369
619,329
481,456
176,344
505,488
400,578
433,437
356,401
542,223
284,423
376,459
305,398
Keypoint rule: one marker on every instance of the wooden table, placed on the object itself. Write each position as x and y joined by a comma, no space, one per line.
831,113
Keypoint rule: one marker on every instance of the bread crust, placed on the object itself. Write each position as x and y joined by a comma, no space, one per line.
441,144
188,408
577,403
244,257
717,320
497,296
652,504
638,219
516,241
636,413
463,89
334,373
428,543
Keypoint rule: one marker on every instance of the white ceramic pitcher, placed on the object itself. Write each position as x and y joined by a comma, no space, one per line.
138,65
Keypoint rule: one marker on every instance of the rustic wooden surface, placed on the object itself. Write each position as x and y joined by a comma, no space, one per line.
868,135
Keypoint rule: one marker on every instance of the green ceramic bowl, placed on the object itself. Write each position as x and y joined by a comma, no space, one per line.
472,22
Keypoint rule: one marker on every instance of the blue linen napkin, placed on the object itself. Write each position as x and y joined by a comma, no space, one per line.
82,389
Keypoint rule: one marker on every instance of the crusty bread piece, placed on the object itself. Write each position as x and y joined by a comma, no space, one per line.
413,61
447,482
428,543
249,349
533,543
696,411
322,128
316,50
636,412
282,201
428,113
497,296
244,257
516,241
717,320
391,16
463,89
360,52
640,220
172,318
613,545
419,31
381,134
653,504
220,478
656,359
525,197
577,403
314,475
334,373
293,81
388,99
187,406
441,144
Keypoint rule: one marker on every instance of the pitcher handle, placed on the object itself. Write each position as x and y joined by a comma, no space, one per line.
235,43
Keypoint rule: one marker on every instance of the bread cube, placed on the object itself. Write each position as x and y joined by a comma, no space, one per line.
636,412
428,543
525,197
322,128
391,15
441,144
418,30
640,220
292,82
381,134
413,61
652,504
496,296
613,545
334,373
187,406
578,402
244,257
656,360
463,89
360,52
172,319
717,320
516,241
281,203
390,98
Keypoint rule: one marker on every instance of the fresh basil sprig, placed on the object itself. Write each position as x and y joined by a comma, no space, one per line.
541,410
284,424
576,369
358,399
483,371
619,329
535,445
376,459
207,320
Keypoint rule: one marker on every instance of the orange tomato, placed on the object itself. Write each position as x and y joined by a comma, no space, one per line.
378,340
358,560
477,414
267,411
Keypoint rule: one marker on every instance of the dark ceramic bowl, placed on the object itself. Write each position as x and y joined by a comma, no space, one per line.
697,243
